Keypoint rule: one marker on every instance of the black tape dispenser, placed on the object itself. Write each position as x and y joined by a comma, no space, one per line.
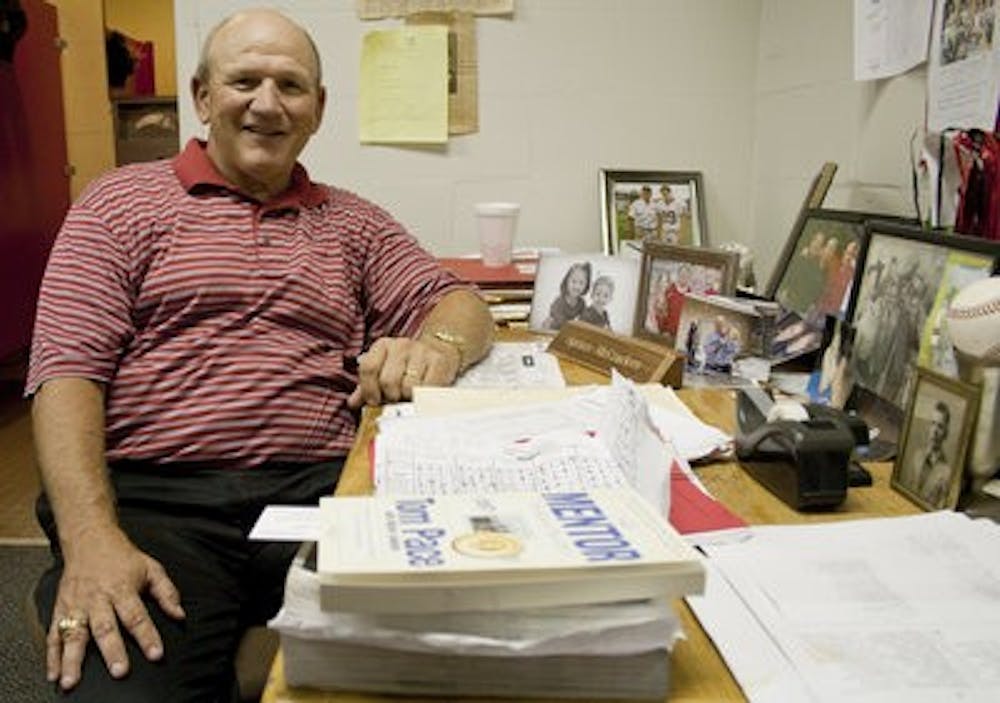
804,457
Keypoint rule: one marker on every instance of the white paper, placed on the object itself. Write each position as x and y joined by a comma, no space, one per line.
895,609
287,523
693,438
756,661
890,36
598,438
513,365
963,77
616,629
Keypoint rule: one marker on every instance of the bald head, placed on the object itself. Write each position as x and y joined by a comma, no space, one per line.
246,21
258,90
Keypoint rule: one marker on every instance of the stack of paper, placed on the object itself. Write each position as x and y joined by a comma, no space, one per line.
616,650
893,609
506,289
540,529
600,438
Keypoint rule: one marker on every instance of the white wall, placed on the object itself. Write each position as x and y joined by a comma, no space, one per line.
756,94
566,87
809,109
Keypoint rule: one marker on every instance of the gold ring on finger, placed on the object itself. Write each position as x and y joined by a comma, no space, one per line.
67,624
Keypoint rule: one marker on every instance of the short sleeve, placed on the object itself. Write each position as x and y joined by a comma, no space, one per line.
83,319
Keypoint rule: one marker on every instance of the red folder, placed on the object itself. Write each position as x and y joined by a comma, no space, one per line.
516,274
692,510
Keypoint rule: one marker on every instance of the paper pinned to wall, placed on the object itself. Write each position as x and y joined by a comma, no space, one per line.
463,68
404,86
381,9
890,36
963,75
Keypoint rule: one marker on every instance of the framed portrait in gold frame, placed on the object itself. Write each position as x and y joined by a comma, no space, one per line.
935,439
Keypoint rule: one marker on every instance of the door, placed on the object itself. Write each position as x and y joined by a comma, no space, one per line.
34,185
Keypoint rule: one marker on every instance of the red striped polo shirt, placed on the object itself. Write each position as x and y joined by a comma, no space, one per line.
219,324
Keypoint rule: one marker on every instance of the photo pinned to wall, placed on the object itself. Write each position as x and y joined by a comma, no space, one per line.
931,459
818,267
594,288
906,272
652,206
669,272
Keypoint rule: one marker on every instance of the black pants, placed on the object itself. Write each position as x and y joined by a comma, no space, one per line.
195,522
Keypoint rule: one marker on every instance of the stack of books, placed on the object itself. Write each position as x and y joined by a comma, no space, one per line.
518,594
507,289
536,561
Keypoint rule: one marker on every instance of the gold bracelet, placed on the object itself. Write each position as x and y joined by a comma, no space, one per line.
455,340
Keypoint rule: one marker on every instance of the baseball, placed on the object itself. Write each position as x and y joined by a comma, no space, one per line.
974,320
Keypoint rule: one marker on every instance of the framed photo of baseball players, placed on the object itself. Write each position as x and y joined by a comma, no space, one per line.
669,272
907,281
931,458
652,206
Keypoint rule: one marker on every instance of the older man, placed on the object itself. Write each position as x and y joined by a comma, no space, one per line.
207,329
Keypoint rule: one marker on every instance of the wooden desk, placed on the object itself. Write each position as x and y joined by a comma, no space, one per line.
697,672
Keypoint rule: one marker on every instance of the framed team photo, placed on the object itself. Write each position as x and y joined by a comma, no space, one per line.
935,439
652,206
907,276
669,273
594,288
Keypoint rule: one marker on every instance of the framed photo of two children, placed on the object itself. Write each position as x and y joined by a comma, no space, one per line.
594,288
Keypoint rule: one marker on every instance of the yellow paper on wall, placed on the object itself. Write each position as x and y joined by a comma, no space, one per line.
404,86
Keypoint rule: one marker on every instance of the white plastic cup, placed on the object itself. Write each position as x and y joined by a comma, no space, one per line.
496,223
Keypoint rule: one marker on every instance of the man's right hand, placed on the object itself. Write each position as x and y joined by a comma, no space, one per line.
104,577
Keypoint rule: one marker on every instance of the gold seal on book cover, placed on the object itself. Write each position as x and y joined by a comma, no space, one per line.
485,543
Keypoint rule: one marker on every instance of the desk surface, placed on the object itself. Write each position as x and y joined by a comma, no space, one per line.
697,671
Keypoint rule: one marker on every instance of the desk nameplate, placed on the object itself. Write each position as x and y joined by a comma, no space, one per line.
638,359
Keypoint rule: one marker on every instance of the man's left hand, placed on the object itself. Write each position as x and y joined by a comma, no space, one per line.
393,366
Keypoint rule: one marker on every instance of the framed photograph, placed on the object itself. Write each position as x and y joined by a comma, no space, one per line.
715,331
595,288
669,272
931,456
795,336
906,276
830,382
816,273
652,206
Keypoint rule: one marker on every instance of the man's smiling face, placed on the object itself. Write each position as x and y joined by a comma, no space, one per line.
261,98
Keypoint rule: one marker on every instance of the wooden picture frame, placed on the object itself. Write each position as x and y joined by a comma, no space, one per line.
907,276
935,440
639,206
668,272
